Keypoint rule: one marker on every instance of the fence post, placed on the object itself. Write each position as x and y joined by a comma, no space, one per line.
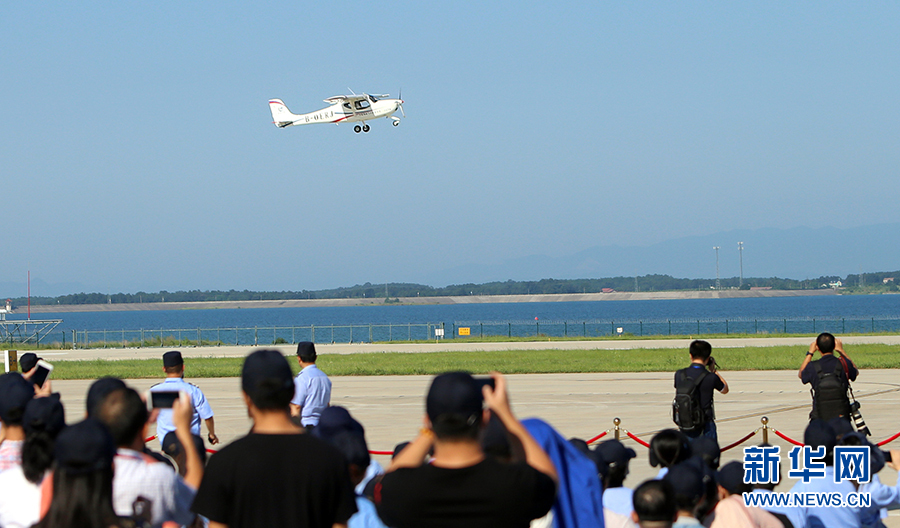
873,325
616,422
482,329
785,326
670,326
370,332
642,328
566,328
255,336
509,330
756,323
537,329
842,326
726,326
814,325
351,332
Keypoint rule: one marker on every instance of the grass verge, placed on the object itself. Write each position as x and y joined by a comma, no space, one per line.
508,362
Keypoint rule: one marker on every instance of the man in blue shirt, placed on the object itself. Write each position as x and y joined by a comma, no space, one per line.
312,388
173,366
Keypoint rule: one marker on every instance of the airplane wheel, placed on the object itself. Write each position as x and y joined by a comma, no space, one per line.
357,129
396,123
366,128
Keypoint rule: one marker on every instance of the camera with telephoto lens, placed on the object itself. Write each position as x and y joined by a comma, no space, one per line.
858,419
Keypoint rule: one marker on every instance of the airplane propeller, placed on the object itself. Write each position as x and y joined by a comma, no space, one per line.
400,98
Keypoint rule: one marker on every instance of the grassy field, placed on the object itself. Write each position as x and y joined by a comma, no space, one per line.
509,362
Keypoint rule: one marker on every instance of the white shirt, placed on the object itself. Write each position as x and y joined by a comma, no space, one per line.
20,500
136,475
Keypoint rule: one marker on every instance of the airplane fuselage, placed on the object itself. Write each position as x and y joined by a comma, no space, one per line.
339,113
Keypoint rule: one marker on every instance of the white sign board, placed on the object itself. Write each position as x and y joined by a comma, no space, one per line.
438,332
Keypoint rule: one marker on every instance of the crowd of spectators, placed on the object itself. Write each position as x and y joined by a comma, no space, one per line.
473,464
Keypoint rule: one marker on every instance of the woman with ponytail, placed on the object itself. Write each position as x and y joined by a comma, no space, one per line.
20,486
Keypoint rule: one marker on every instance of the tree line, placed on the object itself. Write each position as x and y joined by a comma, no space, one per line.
864,283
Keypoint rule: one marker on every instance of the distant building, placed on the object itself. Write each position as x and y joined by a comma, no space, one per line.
754,288
607,290
887,280
836,284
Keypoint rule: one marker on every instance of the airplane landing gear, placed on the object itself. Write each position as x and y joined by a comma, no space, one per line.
358,129
396,123
366,128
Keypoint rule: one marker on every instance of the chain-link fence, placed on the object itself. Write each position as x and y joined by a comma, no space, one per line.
463,330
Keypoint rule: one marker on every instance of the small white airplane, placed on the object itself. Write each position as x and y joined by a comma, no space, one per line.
343,109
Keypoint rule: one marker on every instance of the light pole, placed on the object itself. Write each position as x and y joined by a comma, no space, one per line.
718,285
741,253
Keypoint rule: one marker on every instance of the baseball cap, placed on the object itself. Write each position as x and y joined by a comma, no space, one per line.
266,374
731,477
44,414
84,447
28,361
819,433
172,446
98,390
335,420
707,449
615,453
16,392
306,349
454,394
172,358
841,426
687,481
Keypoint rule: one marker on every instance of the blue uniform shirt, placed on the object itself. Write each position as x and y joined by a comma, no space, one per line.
202,409
829,517
312,392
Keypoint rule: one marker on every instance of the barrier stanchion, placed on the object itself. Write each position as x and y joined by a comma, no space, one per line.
739,442
889,440
616,422
787,439
765,428
598,437
636,439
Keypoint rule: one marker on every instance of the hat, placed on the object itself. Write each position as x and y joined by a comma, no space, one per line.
819,433
707,449
731,477
172,359
98,390
841,426
456,394
15,393
28,361
84,447
306,349
615,453
266,373
172,446
594,456
335,420
687,481
876,455
44,414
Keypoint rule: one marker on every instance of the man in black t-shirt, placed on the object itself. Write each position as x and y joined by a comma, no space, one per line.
461,486
830,365
701,359
277,475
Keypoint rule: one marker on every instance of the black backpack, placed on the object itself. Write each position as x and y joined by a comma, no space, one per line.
830,394
686,410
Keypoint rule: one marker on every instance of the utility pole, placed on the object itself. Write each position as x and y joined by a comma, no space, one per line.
718,285
741,252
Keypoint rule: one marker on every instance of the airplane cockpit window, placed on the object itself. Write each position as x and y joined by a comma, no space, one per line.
362,104
347,106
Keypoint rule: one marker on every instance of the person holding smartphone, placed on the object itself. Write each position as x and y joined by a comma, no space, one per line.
173,366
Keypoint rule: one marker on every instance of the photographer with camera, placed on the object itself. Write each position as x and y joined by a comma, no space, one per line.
830,378
693,409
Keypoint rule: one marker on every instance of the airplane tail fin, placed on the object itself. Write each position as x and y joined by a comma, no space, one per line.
281,116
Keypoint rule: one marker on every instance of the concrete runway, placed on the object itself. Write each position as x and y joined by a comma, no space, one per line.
580,405
455,345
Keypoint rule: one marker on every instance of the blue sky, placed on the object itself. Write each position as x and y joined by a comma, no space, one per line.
138,151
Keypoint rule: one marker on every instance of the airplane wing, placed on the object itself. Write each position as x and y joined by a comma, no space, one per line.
343,98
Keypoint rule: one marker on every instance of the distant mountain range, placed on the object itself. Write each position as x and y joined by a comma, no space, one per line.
796,253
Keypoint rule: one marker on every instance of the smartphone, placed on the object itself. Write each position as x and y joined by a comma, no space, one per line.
163,399
41,372
485,382
887,456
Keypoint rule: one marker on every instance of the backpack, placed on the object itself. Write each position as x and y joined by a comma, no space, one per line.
830,394
686,411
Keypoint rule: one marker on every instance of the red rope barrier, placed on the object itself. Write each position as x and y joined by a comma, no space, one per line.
381,452
889,440
598,437
149,439
636,439
739,442
785,438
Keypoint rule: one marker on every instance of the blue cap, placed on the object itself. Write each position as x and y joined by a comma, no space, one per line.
731,477
687,481
615,453
818,433
15,393
44,414
84,447
336,419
